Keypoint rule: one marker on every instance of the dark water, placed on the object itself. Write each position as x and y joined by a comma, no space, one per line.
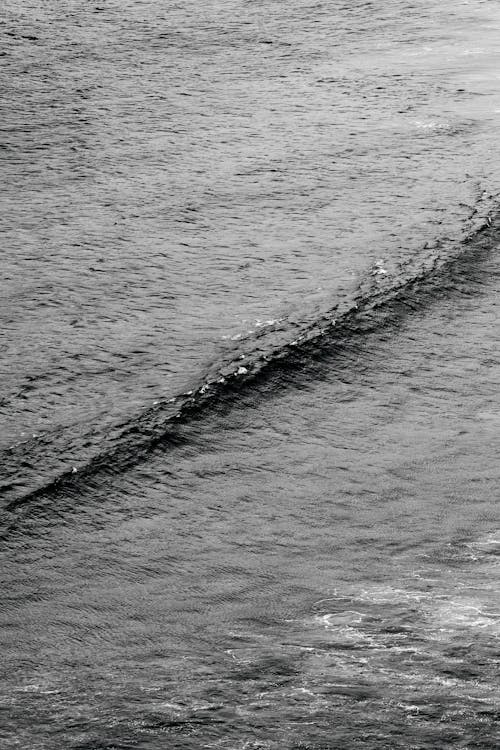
250,365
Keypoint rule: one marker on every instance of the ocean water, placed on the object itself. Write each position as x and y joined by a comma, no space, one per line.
250,402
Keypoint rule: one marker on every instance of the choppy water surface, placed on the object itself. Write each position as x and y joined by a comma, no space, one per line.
250,375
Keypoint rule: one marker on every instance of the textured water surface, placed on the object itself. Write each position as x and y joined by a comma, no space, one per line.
250,376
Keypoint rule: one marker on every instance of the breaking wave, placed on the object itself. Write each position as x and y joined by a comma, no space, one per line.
270,346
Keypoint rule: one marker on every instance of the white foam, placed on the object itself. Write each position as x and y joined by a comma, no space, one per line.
456,615
431,125
492,541
340,619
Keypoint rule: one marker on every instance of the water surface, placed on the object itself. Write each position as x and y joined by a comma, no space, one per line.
285,220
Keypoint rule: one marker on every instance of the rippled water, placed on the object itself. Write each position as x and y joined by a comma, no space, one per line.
250,376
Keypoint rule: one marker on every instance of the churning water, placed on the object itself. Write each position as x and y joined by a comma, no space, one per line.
250,395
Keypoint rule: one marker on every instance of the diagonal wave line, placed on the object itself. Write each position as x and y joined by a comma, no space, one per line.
275,346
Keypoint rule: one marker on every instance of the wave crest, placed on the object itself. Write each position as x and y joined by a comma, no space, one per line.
270,345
